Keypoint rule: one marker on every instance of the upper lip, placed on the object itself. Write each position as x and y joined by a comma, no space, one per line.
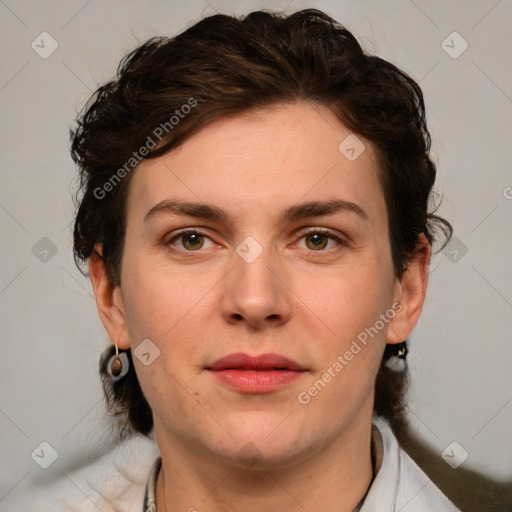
241,361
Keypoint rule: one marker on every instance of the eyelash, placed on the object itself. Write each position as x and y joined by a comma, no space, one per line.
301,235
329,234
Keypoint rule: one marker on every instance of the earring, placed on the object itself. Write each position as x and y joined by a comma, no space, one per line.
118,365
397,361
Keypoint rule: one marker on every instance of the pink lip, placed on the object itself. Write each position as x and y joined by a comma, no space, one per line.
260,374
241,361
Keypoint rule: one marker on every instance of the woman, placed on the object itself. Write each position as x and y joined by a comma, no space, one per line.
254,214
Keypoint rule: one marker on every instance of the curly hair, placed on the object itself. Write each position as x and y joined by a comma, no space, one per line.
226,65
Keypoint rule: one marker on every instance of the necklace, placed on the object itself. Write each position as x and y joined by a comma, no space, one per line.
374,467
150,497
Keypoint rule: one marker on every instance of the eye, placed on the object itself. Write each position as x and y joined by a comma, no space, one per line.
319,240
190,240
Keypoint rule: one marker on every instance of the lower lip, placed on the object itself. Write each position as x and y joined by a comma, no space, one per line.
249,381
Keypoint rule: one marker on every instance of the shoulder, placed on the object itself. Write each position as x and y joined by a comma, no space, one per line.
116,482
401,485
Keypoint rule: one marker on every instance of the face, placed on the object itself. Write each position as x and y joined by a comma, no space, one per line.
258,236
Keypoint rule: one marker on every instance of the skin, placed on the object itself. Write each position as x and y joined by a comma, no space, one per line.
295,299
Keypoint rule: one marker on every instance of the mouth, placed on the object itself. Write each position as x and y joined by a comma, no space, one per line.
263,362
256,374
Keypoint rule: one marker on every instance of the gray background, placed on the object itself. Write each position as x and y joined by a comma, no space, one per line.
461,354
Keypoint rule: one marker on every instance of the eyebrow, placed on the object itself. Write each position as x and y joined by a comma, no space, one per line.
318,208
295,212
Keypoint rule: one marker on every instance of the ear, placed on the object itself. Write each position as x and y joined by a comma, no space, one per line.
108,300
410,293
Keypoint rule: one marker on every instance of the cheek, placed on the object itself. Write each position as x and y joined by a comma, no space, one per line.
348,355
158,299
166,310
348,300
348,349
172,309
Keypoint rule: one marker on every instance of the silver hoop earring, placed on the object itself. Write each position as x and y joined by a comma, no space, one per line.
118,365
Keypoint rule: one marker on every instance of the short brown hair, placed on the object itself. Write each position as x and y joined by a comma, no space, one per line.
225,65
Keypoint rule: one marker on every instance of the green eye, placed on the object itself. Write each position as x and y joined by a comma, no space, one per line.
320,240
192,241
316,241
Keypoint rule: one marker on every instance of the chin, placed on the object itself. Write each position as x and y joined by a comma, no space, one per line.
262,440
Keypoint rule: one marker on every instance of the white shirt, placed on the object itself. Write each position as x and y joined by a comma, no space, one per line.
118,481
400,484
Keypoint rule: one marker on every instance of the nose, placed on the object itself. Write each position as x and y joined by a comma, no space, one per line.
255,293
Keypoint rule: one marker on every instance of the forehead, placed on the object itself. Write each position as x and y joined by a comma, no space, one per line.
262,161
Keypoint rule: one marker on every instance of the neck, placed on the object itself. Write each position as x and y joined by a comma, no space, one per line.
333,479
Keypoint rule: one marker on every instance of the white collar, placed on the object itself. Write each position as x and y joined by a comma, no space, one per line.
400,485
